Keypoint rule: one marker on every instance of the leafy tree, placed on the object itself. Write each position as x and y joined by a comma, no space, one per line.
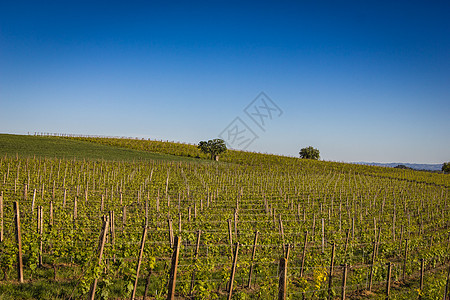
309,153
213,147
446,167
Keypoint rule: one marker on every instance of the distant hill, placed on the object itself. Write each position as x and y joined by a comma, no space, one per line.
428,167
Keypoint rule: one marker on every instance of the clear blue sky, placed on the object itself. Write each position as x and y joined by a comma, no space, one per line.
360,80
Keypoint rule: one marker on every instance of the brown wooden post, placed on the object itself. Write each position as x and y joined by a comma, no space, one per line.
230,235
157,203
372,265
138,266
447,286
323,235
353,228
283,279
19,243
255,241
64,198
51,213
41,231
112,227
344,281
346,240
171,239
330,278
101,247
197,246
282,233
304,254
233,271
75,209
379,239
405,259
422,269
388,279
1,216
146,208
173,269
235,223
124,217
33,201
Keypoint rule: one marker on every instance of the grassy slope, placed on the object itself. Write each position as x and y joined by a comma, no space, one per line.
135,149
269,160
25,145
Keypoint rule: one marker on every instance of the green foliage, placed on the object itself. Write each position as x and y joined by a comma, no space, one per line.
213,147
446,167
261,188
309,153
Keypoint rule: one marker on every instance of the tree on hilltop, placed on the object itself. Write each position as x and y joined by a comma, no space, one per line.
309,153
446,167
213,147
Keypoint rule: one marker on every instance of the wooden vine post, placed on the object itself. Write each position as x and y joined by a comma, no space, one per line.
330,278
447,286
1,217
101,247
405,259
422,269
255,241
173,269
388,279
282,283
141,252
233,271
19,243
304,254
344,281
197,246
372,266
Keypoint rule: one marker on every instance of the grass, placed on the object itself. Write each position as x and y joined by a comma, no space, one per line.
28,146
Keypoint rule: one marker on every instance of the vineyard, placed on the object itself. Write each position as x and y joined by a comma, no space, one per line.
252,226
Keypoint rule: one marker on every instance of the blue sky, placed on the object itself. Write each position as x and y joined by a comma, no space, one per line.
359,80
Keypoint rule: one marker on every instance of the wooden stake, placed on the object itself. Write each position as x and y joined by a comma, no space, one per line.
422,269
41,231
304,254
171,239
346,240
283,279
344,281
372,265
1,217
138,266
173,269
233,271
51,213
253,258
323,235
101,247
282,233
197,245
405,259
19,243
330,278
388,279
447,286
230,235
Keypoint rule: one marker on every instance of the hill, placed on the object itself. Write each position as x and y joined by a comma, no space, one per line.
420,167
50,146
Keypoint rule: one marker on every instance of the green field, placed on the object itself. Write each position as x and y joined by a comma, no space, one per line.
56,147
371,216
